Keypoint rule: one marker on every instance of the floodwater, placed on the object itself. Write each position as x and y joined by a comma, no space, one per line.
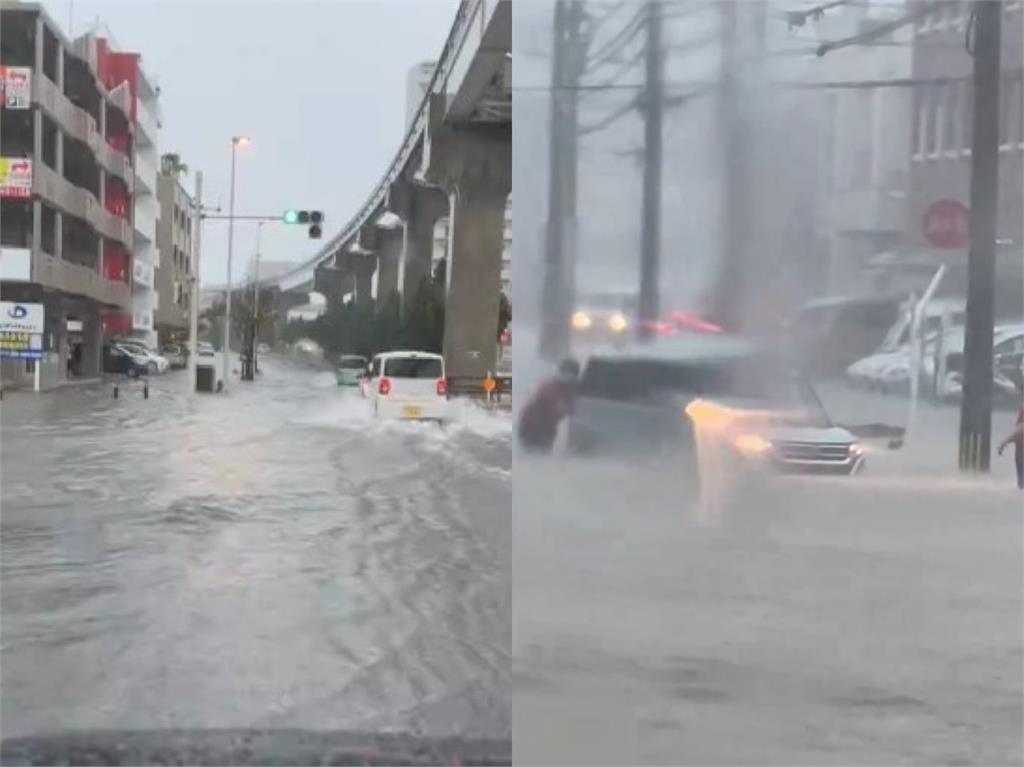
869,620
271,558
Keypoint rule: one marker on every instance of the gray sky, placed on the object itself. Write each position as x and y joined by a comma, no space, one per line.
320,87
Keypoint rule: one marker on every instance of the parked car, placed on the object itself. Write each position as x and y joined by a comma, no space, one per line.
124,360
407,386
678,394
155,362
351,369
175,354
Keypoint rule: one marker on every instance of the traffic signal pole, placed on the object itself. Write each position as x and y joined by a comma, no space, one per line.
976,402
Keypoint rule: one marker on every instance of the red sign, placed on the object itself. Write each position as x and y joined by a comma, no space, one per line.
944,224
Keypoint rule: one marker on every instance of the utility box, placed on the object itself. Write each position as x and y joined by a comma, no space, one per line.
208,372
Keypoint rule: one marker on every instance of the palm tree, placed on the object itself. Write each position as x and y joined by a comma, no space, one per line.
171,165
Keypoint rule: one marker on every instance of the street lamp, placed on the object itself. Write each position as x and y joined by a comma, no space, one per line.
236,141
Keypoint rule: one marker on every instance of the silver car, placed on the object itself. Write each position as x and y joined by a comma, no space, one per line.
351,368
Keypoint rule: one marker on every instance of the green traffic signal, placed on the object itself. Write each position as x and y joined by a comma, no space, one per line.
291,217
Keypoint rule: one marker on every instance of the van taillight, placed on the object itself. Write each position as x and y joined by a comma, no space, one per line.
442,387
384,387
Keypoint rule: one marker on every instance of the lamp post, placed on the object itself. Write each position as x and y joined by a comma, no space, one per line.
236,141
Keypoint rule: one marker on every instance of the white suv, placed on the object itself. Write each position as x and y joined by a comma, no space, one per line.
408,386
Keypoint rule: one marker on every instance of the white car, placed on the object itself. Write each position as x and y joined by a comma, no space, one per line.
407,386
154,362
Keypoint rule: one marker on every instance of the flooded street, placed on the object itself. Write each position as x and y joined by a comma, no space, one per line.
873,619
271,558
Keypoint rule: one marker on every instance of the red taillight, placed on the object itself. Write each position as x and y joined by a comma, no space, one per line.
442,387
384,387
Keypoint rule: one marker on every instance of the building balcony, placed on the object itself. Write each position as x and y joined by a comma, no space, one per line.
52,272
120,96
142,320
148,126
79,202
145,172
145,218
79,125
142,274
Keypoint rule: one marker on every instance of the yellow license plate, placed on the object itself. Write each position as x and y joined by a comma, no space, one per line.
411,411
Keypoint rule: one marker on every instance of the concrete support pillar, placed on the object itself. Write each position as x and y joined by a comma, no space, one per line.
331,284
92,345
476,164
474,279
363,268
389,256
420,207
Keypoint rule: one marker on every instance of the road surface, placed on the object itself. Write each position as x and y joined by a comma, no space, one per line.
868,620
269,558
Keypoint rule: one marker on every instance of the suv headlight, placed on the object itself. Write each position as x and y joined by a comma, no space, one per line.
751,444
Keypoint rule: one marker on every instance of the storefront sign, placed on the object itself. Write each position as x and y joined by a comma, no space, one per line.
16,87
21,318
15,177
21,330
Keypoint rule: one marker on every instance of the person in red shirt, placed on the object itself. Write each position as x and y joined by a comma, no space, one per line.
1016,438
538,423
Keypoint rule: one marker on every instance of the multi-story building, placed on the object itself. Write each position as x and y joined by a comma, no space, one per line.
147,258
864,126
66,188
940,149
174,274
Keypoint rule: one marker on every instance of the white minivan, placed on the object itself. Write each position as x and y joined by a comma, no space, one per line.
408,386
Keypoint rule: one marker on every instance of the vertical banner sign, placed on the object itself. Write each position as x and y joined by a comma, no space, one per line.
15,177
21,330
16,87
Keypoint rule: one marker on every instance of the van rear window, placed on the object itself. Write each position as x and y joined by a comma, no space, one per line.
413,367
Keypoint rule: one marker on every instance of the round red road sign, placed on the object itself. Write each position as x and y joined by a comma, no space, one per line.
944,224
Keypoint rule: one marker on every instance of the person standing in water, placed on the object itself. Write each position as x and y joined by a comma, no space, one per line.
1016,438
538,424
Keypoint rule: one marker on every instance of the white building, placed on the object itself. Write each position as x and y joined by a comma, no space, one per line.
145,298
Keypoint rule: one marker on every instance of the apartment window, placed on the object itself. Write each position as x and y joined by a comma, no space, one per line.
951,116
917,130
1010,113
968,114
1007,113
931,119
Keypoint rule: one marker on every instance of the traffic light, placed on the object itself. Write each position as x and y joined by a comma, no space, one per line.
312,217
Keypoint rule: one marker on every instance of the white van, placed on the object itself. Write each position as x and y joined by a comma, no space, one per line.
408,386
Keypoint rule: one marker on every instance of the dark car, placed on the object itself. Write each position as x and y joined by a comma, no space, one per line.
690,393
121,359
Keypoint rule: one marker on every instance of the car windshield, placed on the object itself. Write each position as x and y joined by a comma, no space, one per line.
353,363
412,367
753,383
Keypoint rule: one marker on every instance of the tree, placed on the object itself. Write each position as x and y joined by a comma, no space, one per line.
171,165
504,314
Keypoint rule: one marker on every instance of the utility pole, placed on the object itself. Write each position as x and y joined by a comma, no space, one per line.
256,299
197,229
566,68
650,234
976,403
728,291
